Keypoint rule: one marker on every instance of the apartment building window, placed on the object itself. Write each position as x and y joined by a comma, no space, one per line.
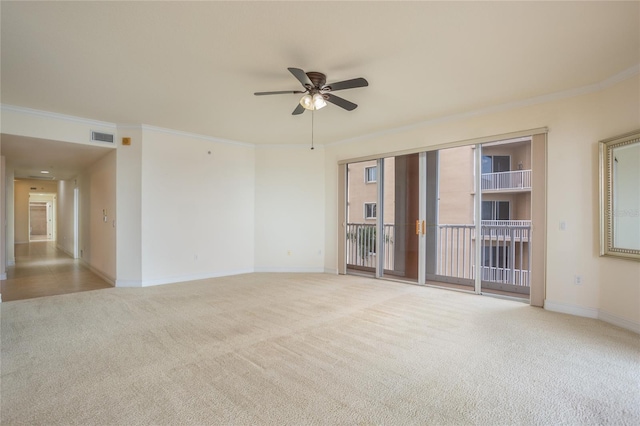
496,163
370,174
370,210
495,210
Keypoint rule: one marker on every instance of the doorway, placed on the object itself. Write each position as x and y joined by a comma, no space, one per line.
42,217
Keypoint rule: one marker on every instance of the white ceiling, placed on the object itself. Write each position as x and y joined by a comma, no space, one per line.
193,66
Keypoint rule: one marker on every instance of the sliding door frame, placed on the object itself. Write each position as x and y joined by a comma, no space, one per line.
539,159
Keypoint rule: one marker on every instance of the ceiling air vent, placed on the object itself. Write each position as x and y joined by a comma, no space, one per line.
102,137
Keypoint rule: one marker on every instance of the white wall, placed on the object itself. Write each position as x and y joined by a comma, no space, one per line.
97,236
198,205
65,240
8,202
129,208
290,215
611,287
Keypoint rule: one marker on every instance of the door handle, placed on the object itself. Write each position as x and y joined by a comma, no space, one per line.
421,227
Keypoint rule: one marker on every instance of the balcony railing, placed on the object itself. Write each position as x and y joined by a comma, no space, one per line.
517,179
504,246
361,245
501,275
510,230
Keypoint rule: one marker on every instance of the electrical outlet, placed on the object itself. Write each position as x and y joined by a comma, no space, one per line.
577,279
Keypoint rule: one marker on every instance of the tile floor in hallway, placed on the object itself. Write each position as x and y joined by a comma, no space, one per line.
41,269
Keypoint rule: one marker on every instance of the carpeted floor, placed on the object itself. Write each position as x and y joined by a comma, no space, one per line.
309,349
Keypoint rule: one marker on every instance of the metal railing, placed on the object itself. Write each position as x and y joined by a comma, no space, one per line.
455,253
505,253
504,246
517,277
507,232
517,179
362,245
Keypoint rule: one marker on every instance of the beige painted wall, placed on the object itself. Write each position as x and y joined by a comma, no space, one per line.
97,216
361,192
455,206
611,287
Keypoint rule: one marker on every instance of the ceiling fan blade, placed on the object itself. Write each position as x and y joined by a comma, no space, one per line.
348,84
301,76
299,110
282,92
342,103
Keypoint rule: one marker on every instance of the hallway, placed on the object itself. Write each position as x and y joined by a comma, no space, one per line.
43,270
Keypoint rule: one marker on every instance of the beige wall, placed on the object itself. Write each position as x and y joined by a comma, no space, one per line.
611,287
455,181
361,192
97,216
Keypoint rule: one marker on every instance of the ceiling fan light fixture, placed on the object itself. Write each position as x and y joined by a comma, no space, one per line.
307,101
313,102
318,101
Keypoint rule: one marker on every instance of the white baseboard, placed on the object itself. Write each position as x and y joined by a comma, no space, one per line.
331,271
566,308
11,262
581,311
194,277
620,322
3,276
293,270
128,283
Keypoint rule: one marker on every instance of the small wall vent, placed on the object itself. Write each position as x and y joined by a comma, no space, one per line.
102,137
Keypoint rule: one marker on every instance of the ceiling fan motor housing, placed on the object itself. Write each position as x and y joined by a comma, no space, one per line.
317,78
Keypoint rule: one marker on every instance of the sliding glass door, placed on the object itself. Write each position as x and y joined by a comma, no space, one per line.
401,222
383,217
459,217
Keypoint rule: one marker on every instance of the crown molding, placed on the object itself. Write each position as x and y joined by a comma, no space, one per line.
565,94
57,116
196,136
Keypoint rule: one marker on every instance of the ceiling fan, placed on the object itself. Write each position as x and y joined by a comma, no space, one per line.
317,92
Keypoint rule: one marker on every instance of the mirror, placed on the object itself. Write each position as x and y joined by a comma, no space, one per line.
620,196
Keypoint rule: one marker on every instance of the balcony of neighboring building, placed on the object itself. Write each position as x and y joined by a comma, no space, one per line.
506,167
512,181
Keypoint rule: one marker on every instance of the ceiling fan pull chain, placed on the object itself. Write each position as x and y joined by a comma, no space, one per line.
312,114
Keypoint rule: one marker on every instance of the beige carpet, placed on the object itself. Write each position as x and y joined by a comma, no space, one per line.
309,349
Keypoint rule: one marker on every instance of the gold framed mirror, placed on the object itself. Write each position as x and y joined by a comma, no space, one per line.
620,196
